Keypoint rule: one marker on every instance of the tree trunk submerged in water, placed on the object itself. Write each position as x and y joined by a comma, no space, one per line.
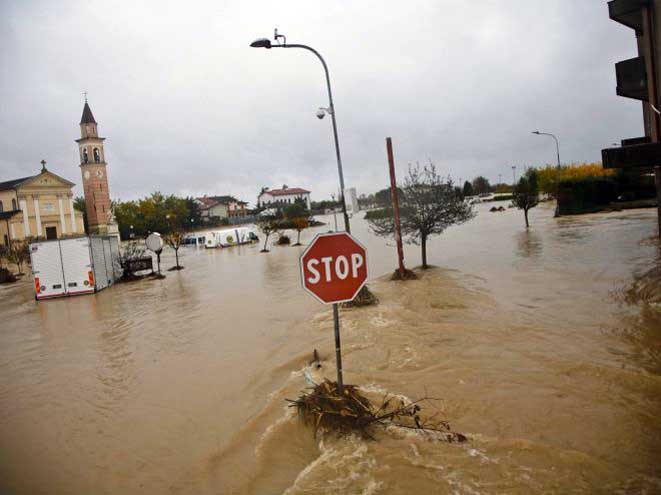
525,213
423,247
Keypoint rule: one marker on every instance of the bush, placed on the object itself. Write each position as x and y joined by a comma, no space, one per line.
550,177
585,195
284,240
6,276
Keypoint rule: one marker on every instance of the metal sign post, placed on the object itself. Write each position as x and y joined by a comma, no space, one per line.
155,243
333,270
338,350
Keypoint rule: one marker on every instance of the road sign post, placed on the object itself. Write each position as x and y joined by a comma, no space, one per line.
333,270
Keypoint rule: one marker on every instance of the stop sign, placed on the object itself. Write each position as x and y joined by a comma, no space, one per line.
334,267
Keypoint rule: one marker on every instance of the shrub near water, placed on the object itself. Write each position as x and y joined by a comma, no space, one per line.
550,176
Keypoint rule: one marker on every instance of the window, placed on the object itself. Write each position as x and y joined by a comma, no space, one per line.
97,156
13,204
85,157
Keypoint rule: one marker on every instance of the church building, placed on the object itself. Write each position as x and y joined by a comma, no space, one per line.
41,206
100,219
38,206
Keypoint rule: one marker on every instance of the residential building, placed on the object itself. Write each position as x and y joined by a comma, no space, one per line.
38,206
218,207
284,196
235,207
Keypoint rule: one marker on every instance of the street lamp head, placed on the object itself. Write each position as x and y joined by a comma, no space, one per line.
535,132
321,113
261,43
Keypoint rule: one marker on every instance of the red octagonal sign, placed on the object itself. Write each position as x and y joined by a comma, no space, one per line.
334,267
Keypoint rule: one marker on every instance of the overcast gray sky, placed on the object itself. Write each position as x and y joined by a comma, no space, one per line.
188,108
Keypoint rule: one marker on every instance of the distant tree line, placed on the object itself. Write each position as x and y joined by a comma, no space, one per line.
154,213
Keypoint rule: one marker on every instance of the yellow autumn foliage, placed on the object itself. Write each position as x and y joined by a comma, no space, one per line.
550,176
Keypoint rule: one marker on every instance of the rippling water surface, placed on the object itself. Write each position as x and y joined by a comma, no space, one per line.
178,385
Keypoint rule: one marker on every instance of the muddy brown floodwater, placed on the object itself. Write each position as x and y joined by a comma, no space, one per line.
178,386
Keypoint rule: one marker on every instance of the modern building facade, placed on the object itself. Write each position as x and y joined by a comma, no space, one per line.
640,78
38,207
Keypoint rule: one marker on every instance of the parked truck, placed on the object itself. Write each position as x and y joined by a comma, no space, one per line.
68,267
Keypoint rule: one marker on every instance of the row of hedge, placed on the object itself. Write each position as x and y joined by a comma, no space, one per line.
592,194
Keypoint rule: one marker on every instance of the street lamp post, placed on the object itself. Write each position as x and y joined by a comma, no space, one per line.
334,212
266,43
513,175
557,146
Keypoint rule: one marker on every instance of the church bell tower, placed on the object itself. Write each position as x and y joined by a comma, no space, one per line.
95,179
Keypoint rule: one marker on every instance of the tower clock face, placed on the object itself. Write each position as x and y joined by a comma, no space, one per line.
87,174
99,174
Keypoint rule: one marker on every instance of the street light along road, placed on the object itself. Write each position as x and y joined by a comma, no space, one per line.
557,146
266,43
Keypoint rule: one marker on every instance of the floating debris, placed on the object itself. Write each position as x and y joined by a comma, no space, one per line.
407,275
365,297
646,288
323,407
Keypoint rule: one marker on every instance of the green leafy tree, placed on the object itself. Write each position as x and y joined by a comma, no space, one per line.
156,213
268,225
481,185
79,205
526,193
295,210
429,205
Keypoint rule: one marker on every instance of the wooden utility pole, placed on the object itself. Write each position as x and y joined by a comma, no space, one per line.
395,208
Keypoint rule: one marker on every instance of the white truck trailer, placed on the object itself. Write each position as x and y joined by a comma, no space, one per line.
68,267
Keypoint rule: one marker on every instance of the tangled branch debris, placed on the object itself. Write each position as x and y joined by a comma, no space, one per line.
324,408
646,288
407,275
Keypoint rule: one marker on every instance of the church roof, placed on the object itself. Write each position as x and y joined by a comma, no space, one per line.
14,183
87,117
11,184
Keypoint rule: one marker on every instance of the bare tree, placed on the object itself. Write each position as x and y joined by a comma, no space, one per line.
429,205
526,193
132,252
174,240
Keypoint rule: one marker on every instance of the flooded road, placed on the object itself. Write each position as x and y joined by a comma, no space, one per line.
178,385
